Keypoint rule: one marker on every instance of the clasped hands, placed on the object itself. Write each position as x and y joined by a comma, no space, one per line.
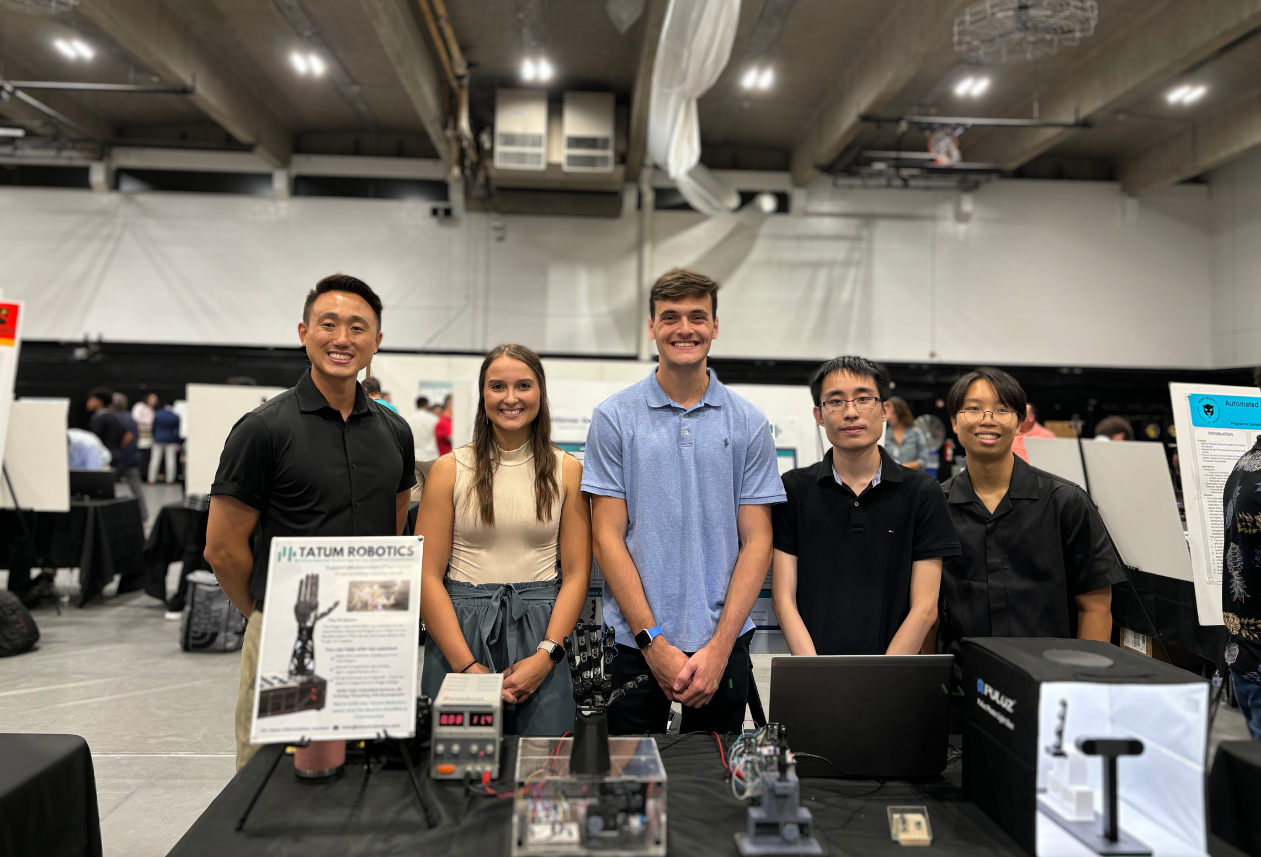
690,681
522,678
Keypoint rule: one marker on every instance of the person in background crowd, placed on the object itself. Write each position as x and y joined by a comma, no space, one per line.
442,428
501,514
1241,584
142,412
102,422
1029,427
1114,428
85,451
422,424
1037,560
316,460
903,440
127,463
841,584
682,475
166,444
372,387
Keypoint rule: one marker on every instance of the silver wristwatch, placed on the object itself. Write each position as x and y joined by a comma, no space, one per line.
554,651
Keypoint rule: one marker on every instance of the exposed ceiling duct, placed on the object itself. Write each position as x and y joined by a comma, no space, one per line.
695,46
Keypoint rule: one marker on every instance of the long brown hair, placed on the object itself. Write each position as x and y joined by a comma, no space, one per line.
486,451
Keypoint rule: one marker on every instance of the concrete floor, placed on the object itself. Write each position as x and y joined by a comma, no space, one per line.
158,720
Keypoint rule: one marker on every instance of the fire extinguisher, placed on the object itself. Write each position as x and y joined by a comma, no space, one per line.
950,451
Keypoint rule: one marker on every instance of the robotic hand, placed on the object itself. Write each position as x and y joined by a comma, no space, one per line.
302,662
591,650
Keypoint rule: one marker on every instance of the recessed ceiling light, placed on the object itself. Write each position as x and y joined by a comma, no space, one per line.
300,63
973,87
750,79
528,71
317,64
82,49
545,71
1185,94
765,79
63,47
758,78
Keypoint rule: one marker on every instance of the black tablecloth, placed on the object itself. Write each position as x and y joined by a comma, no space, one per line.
380,815
1171,605
47,797
1234,795
178,535
102,538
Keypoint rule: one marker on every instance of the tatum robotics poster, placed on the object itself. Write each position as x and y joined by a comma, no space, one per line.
337,657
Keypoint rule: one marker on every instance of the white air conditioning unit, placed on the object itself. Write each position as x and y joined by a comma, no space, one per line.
520,129
588,132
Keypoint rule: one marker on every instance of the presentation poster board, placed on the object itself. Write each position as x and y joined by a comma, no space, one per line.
212,410
1216,425
35,456
340,663
10,346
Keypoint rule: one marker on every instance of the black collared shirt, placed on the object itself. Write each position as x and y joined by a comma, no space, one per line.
1022,566
311,473
854,552
1241,565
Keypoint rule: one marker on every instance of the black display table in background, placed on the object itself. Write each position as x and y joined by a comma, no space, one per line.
178,535
1171,605
380,814
47,797
1234,795
102,538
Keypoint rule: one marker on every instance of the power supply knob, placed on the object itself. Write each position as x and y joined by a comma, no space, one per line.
455,749
472,749
439,749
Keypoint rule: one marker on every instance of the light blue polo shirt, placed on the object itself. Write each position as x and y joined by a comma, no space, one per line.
683,473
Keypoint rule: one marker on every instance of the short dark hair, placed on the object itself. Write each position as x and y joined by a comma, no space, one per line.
422,402
1108,426
342,283
681,283
371,386
853,365
1006,388
105,394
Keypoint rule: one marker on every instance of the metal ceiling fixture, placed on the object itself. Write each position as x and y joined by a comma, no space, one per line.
38,7
1008,31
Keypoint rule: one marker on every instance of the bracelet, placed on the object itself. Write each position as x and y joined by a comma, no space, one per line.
466,668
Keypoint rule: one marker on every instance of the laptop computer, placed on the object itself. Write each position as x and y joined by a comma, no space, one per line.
877,716
92,484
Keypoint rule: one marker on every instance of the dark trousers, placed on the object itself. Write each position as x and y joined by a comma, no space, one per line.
646,710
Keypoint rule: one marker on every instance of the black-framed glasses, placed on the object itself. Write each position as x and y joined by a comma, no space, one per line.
862,404
973,415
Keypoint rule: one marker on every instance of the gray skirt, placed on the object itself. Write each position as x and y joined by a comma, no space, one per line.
503,623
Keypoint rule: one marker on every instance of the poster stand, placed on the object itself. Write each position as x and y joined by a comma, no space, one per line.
27,535
430,821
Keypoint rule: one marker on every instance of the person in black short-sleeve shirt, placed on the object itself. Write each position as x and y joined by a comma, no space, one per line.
320,459
1037,560
859,544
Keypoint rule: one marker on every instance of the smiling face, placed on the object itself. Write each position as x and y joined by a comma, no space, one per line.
341,335
846,426
511,394
990,438
684,329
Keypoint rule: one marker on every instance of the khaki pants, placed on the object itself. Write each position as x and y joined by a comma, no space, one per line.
245,690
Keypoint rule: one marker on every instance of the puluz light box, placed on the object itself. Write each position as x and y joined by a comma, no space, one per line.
1077,747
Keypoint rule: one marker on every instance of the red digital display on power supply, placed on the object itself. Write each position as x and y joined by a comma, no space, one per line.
479,719
451,719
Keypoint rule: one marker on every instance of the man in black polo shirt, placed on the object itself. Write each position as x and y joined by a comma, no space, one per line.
1037,560
320,459
859,544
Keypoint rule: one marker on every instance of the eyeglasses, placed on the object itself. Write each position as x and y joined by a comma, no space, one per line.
973,415
862,404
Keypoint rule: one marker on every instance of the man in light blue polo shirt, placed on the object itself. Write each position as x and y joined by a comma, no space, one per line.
682,475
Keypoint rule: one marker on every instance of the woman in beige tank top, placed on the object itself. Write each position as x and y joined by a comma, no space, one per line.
502,517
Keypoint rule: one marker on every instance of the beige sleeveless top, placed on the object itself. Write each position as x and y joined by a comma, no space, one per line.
519,547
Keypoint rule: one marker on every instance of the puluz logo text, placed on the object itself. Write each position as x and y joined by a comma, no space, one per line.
1006,703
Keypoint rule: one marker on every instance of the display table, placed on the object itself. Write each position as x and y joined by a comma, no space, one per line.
380,814
47,797
1171,605
178,535
1234,795
102,538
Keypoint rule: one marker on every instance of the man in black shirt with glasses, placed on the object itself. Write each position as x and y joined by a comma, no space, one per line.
1037,560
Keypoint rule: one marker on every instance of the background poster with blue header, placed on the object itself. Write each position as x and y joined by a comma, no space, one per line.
1216,425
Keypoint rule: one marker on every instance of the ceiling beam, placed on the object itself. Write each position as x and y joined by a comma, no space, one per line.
400,37
1124,72
912,32
637,139
156,37
1220,137
76,120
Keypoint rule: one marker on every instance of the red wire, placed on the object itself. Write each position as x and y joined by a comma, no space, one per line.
722,755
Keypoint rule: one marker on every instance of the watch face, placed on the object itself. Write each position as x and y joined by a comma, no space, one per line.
643,639
558,654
